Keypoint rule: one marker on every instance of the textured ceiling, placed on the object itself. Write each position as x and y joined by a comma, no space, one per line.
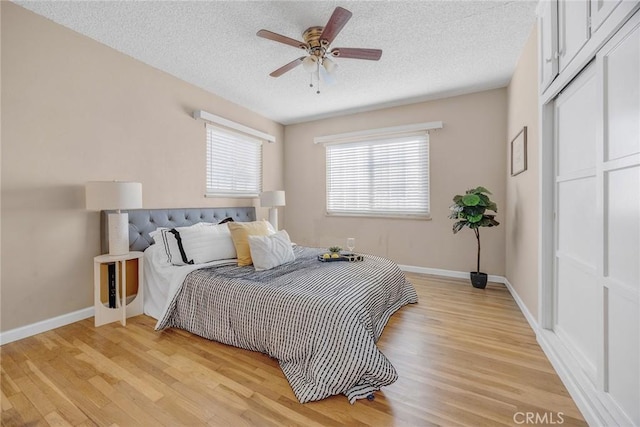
430,49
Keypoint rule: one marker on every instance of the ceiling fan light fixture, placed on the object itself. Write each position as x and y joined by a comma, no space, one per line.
310,64
329,65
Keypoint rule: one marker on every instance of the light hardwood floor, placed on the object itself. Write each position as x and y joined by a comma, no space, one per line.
464,357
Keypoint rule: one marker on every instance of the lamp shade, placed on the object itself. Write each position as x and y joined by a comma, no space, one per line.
269,199
102,195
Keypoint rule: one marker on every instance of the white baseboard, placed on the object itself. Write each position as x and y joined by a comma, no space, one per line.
596,407
44,325
523,308
447,273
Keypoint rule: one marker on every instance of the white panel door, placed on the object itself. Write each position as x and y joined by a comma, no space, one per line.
622,291
619,65
600,11
590,268
577,292
573,29
548,27
621,69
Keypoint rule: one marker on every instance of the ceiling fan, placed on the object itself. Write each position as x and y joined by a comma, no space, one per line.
317,41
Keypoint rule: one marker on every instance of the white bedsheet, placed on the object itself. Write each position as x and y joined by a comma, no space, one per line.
162,280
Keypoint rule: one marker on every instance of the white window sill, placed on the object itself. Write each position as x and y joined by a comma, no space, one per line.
380,216
231,196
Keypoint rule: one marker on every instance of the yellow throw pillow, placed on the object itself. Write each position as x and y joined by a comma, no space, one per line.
240,232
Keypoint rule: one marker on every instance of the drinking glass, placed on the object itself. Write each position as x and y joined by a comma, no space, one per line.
351,243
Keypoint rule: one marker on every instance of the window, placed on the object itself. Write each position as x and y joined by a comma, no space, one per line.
234,164
379,176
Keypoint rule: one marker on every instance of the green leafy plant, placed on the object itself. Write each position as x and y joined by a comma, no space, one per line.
470,210
335,249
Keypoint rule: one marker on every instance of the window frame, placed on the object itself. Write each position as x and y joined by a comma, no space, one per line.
380,137
234,137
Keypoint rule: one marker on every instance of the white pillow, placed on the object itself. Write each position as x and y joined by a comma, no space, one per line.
172,249
166,238
270,227
271,251
156,234
209,243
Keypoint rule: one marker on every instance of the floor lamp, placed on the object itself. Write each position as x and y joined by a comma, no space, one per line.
271,200
103,195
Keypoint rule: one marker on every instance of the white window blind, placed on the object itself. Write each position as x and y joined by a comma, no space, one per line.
234,164
381,176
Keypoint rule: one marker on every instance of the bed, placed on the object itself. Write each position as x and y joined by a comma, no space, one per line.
320,320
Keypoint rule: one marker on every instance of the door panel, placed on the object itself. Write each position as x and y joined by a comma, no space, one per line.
619,68
576,126
622,71
548,27
624,353
600,11
578,300
577,220
623,223
573,23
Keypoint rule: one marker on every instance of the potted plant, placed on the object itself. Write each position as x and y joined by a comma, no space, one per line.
470,210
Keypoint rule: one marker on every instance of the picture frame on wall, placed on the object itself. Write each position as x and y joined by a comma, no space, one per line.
519,152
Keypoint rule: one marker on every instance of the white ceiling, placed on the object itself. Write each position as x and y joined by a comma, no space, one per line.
430,49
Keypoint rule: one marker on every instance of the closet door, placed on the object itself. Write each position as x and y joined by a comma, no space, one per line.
578,298
573,29
548,28
619,65
600,11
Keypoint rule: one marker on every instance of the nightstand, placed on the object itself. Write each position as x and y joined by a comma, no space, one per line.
104,314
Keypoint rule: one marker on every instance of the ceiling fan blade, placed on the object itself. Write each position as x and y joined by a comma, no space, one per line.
355,53
337,21
281,39
290,66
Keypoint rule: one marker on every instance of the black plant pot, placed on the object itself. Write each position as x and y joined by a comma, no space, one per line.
478,280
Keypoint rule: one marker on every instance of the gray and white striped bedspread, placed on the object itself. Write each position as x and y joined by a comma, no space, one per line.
321,320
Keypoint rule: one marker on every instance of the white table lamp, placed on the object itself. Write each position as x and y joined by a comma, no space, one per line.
271,200
103,195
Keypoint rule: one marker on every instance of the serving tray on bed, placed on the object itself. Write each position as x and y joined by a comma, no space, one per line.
342,257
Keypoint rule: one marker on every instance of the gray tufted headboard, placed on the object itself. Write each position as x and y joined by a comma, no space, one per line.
144,221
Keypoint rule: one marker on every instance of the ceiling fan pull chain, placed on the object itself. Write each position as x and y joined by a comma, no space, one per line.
310,79
318,91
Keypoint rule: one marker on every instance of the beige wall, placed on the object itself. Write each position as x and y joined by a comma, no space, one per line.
522,206
467,152
75,110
